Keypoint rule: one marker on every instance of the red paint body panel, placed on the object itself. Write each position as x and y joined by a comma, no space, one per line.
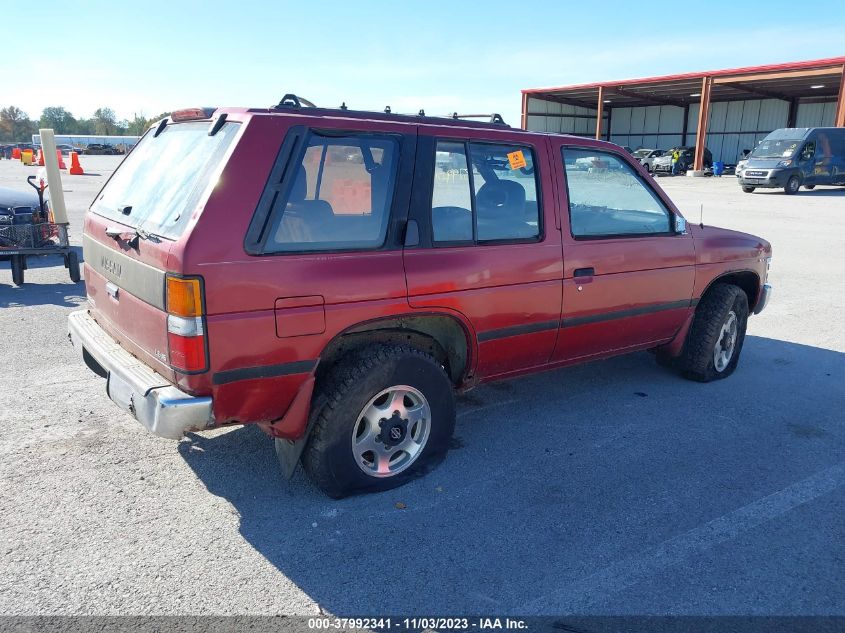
300,316
137,326
497,287
272,310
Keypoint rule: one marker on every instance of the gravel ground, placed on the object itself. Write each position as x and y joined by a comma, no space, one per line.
610,488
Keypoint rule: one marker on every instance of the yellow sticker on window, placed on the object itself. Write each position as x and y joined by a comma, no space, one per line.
517,159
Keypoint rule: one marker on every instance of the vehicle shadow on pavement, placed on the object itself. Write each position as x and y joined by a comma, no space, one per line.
35,293
564,487
815,193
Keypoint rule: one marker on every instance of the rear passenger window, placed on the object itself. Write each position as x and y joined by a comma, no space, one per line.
484,193
340,198
607,198
451,202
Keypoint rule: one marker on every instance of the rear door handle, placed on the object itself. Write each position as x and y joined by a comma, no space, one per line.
585,272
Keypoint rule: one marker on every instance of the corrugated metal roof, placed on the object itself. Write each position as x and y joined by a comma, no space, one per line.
781,81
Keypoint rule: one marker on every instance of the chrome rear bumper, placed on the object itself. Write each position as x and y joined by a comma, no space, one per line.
160,407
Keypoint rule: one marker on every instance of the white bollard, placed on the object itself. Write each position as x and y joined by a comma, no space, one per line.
54,176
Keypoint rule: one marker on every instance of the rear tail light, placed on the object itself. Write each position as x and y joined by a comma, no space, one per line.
184,296
186,340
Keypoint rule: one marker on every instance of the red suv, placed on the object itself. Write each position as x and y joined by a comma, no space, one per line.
336,276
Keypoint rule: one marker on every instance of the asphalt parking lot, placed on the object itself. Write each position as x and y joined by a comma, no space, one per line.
611,488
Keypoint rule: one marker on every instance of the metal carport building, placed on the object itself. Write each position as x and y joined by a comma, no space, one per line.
729,110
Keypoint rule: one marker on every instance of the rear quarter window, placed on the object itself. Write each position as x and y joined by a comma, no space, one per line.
340,197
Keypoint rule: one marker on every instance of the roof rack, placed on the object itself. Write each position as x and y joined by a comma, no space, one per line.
493,118
291,100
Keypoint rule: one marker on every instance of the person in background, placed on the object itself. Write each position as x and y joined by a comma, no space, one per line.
676,162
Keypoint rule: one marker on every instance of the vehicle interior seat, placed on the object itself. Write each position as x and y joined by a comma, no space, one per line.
451,224
304,220
501,208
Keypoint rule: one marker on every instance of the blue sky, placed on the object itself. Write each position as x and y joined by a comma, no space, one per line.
152,56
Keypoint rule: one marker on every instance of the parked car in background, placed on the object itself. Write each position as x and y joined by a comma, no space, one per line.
647,157
101,149
664,163
67,149
743,159
338,305
792,157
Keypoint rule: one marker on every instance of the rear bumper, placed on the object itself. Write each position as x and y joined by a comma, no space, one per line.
160,407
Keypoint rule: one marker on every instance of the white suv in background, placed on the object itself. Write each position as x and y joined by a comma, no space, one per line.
647,156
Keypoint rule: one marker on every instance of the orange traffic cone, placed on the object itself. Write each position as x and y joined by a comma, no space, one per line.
75,168
16,153
40,160
61,161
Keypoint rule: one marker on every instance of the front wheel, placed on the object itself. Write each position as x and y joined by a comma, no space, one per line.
748,189
388,416
792,185
717,334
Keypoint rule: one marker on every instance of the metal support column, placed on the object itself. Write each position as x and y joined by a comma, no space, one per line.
839,119
599,112
685,128
524,122
793,113
703,118
609,121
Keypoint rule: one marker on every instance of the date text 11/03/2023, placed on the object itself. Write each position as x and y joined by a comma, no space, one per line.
418,623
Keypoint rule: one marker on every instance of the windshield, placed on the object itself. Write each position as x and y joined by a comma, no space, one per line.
160,183
780,148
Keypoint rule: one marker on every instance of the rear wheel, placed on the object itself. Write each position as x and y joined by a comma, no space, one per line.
387,417
748,189
73,266
18,266
792,185
716,336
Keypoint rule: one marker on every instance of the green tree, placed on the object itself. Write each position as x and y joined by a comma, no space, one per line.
105,121
84,126
59,119
15,125
137,125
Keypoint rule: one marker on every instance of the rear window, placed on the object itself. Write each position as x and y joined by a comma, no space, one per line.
160,183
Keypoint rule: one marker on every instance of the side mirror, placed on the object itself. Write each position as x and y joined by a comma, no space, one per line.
680,225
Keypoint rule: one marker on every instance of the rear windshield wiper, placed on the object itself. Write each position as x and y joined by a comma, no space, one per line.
118,234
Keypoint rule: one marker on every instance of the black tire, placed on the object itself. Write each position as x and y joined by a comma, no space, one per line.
73,266
748,189
18,266
809,187
792,185
329,459
697,360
